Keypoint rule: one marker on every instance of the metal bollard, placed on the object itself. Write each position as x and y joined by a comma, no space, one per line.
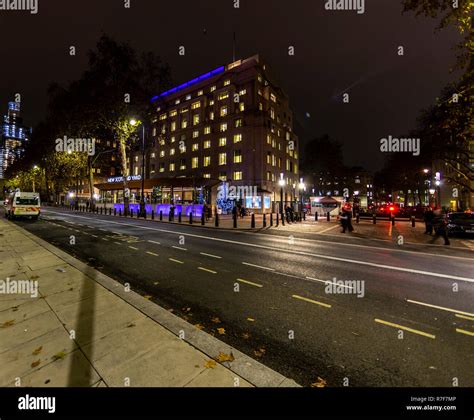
278,219
252,222
115,211
131,213
169,216
179,217
217,220
120,212
203,219
393,220
328,217
304,216
191,218
357,218
101,210
264,220
374,219
271,219
235,221
413,221
152,214
161,215
282,219
316,217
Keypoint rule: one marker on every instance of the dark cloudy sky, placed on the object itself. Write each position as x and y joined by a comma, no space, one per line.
334,50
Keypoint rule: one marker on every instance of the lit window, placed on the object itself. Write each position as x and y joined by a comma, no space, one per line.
207,130
162,154
182,148
173,113
273,143
222,176
211,102
162,142
173,126
211,115
207,161
242,92
274,160
222,141
196,105
222,158
279,162
195,134
200,93
162,117
177,102
213,88
195,147
207,144
237,175
269,158
195,162
242,107
162,167
184,123
238,123
173,139
188,97
260,92
196,119
237,138
184,110
260,78
269,139
222,96
273,97
172,152
272,113
279,146
182,164
223,111
260,106
172,166
136,158
223,127
208,176
237,156
227,82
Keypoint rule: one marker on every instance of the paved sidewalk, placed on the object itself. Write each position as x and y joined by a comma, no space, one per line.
77,332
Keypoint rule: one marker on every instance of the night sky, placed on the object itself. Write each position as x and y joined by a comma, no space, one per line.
333,51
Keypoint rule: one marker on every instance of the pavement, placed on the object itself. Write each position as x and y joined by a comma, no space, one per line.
403,316
81,328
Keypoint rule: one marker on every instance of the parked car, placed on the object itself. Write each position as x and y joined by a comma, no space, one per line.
460,223
23,204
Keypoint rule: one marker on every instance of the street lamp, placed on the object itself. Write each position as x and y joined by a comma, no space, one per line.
35,167
302,187
281,183
133,123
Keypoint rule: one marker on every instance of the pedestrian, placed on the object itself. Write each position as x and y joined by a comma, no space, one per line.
440,225
428,216
343,220
205,211
243,212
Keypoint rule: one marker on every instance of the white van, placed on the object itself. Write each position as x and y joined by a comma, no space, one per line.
23,204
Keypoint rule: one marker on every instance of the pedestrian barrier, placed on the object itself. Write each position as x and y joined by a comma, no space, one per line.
413,221
282,219
217,220
316,217
252,222
161,215
328,217
278,220
271,219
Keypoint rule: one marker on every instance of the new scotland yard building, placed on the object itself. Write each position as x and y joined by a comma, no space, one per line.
232,125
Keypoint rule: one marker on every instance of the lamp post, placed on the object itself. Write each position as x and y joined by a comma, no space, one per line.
282,183
134,123
302,188
34,177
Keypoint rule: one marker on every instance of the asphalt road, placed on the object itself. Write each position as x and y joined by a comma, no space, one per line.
412,324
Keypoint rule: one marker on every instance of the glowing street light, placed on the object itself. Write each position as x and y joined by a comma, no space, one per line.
282,183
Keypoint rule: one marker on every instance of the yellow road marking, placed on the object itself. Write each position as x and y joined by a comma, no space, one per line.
311,301
249,282
132,247
205,269
176,261
464,332
464,317
391,324
152,253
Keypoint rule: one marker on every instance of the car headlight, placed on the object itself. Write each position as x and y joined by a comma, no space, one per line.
450,225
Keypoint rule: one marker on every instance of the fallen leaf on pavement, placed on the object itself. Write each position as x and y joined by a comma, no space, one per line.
245,336
251,319
15,308
34,364
320,383
34,277
225,357
260,352
199,326
221,331
60,355
7,324
211,364
37,351
216,320
147,297
186,309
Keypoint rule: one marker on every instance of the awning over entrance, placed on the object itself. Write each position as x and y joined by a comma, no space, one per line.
160,182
